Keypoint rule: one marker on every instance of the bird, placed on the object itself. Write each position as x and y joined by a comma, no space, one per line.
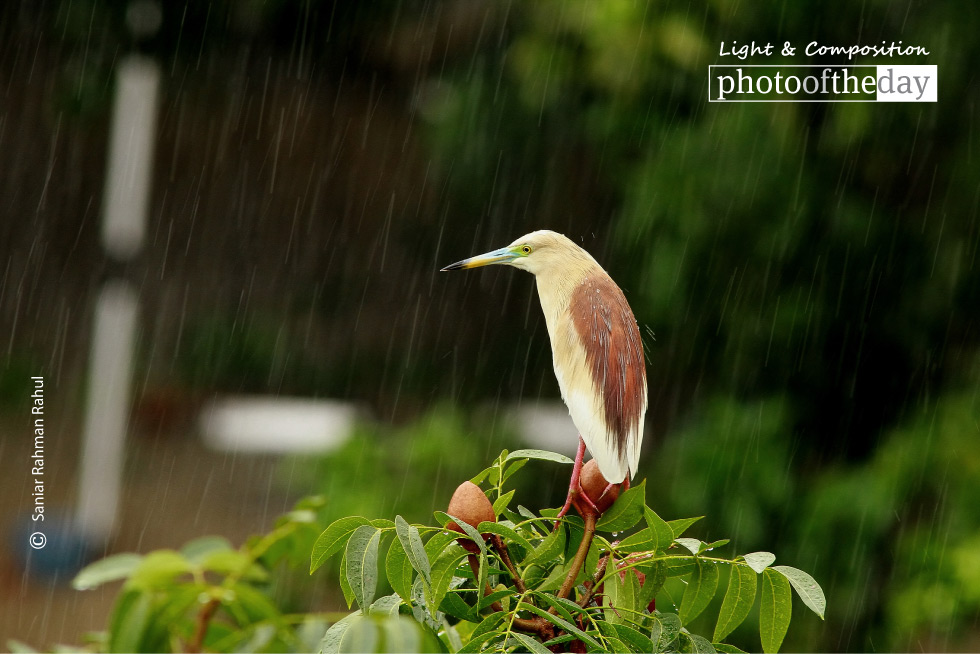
596,351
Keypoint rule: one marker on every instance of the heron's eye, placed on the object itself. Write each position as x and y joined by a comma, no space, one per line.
526,249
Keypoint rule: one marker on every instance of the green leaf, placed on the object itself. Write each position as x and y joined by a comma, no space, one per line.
402,634
489,624
691,544
627,634
759,561
540,455
680,526
725,647
480,476
775,611
130,618
197,550
468,529
482,571
526,512
666,627
626,511
158,568
442,573
532,644
439,542
700,590
334,539
622,594
399,570
485,632
552,582
681,566
452,604
575,527
257,605
494,477
507,532
563,605
662,530
630,598
344,584
700,644
495,596
228,562
562,623
361,636
613,644
362,563
806,587
262,635
474,646
654,581
111,568
642,541
612,589
502,502
333,639
550,548
387,605
707,547
413,547
739,598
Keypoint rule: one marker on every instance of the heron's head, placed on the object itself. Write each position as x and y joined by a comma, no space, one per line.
536,252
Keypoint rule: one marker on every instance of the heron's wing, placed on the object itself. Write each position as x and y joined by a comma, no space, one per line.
606,328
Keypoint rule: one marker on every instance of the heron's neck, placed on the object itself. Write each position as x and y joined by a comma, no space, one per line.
555,287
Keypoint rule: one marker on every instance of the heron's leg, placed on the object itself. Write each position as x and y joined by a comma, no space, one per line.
623,485
575,485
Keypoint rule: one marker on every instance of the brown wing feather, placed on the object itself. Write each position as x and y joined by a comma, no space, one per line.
605,323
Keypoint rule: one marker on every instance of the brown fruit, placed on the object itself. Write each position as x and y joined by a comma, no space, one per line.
470,504
593,483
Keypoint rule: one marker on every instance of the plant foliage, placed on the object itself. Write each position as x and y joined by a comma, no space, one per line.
625,581
209,596
538,586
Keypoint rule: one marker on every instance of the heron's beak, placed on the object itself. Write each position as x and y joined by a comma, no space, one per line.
503,255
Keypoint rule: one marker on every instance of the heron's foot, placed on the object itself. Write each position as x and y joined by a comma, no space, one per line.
580,500
577,497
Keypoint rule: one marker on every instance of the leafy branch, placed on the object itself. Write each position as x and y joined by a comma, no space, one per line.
493,577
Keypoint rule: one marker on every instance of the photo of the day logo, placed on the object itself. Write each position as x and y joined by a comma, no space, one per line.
891,82
822,83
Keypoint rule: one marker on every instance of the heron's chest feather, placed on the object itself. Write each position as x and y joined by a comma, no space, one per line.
559,296
597,349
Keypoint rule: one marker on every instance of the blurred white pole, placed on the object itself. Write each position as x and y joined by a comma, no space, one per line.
127,187
107,415
126,198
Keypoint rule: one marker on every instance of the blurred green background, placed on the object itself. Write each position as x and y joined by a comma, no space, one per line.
806,275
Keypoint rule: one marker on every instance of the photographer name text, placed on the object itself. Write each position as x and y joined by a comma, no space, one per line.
37,458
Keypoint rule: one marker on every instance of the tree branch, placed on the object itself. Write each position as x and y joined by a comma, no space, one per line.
501,547
539,626
201,628
591,592
579,560
474,561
